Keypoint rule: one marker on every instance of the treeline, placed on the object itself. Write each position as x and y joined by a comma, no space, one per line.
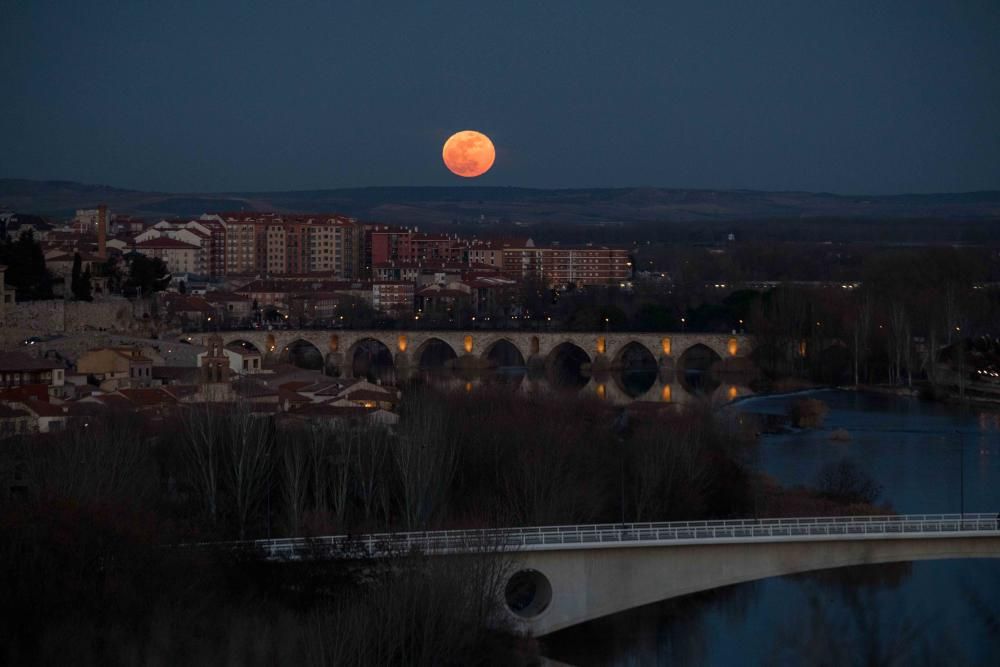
914,311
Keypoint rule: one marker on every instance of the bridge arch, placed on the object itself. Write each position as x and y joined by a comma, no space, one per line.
565,364
635,369
635,354
503,352
695,368
370,358
434,352
303,353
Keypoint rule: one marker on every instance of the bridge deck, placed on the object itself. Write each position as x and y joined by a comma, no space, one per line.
602,536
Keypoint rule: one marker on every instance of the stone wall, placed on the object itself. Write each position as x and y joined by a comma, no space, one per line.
42,318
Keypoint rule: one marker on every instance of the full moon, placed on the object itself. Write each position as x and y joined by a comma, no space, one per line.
468,153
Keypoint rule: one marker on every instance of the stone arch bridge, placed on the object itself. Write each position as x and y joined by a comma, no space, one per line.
476,349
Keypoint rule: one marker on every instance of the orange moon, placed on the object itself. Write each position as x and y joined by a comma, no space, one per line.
468,153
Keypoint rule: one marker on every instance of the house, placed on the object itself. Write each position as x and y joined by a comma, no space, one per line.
367,395
15,420
18,369
117,367
230,306
189,309
242,361
49,418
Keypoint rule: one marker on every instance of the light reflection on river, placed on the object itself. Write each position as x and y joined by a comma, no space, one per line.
615,387
930,612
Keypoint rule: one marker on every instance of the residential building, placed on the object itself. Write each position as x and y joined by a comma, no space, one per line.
15,420
558,265
179,256
393,297
241,362
18,369
116,367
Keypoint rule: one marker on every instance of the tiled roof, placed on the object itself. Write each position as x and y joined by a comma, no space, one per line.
9,412
19,361
44,408
369,395
145,398
24,392
165,243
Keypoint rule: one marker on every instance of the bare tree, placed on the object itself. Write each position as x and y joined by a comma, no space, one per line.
370,475
105,461
249,441
426,458
201,437
295,481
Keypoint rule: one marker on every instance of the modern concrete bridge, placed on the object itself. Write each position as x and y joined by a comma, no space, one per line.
475,349
565,575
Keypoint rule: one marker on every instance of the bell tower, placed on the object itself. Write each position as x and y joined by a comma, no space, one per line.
215,364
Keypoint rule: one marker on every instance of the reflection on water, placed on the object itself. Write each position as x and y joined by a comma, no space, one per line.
928,458
616,387
932,612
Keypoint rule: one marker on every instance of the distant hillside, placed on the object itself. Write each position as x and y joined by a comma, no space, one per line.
464,205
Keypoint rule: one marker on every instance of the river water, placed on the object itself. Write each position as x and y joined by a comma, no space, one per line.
928,458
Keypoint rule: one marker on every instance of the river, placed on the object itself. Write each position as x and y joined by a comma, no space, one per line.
928,458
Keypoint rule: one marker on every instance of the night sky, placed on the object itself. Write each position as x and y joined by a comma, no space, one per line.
848,97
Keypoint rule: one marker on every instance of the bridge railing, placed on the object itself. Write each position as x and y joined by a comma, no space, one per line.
597,535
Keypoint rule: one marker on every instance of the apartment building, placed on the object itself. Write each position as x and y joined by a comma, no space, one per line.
179,256
558,265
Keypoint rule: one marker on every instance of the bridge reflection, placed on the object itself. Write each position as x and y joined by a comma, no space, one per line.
614,387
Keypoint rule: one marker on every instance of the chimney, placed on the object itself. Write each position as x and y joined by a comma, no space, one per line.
102,231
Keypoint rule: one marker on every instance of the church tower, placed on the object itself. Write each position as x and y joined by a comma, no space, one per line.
214,372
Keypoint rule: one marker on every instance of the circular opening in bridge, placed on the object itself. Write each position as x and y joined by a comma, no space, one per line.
528,593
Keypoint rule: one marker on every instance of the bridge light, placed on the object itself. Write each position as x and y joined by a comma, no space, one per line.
602,391
665,393
401,343
601,345
468,344
733,347
665,346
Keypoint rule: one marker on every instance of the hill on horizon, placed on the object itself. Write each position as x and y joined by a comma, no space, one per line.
510,205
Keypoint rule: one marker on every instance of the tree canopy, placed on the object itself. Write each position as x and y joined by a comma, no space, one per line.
145,275
26,271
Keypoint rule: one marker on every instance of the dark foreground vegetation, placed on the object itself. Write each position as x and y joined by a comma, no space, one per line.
90,575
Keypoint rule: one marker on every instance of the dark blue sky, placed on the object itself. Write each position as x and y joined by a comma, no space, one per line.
851,97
